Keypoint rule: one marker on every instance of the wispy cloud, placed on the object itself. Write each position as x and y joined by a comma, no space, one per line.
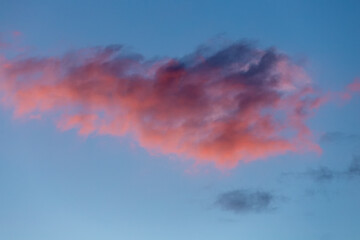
354,168
330,137
351,89
243,201
323,174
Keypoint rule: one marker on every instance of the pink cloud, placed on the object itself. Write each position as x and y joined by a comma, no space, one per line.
354,86
350,90
236,104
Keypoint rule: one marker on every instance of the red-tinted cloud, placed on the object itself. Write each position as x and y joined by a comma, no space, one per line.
235,104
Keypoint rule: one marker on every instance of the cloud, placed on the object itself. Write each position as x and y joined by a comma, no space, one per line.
321,174
217,104
324,174
354,168
351,89
330,137
243,201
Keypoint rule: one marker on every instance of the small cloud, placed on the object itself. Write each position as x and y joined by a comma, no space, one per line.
354,167
330,137
324,174
243,201
321,174
16,33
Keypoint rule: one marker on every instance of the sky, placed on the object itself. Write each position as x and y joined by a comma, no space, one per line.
179,120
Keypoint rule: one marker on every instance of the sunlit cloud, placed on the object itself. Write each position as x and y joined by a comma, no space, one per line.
220,105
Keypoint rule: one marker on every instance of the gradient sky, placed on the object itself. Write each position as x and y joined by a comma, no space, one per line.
61,185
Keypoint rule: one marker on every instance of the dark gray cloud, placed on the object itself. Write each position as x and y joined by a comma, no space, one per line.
330,137
354,168
243,201
323,174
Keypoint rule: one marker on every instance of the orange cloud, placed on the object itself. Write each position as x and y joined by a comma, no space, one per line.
235,104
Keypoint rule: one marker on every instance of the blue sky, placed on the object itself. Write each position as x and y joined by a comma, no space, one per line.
59,185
